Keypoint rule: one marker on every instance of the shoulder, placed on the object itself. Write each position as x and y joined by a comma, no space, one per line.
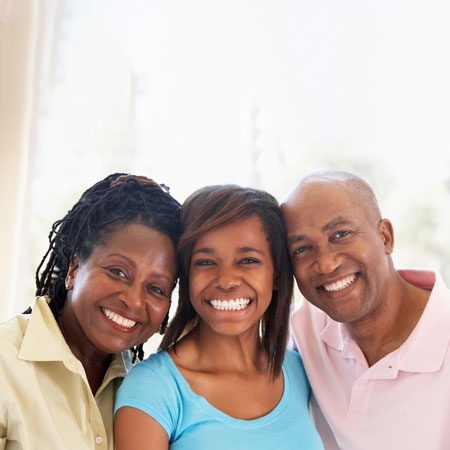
151,386
12,333
13,371
305,312
298,384
156,369
293,364
307,322
150,382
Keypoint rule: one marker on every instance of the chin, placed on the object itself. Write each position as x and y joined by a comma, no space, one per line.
338,315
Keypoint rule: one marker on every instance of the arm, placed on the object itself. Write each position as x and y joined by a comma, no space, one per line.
136,430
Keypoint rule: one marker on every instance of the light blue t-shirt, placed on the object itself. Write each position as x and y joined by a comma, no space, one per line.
157,387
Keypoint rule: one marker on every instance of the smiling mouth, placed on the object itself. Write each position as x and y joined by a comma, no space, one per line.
230,305
340,284
117,318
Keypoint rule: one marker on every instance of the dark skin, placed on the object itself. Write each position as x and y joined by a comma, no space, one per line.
341,251
94,361
222,358
390,329
117,297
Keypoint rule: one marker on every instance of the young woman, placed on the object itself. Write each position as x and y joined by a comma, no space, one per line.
105,288
223,379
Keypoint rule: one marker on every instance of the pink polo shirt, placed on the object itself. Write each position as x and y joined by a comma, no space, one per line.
400,403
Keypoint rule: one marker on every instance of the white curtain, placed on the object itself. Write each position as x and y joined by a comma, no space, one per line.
19,27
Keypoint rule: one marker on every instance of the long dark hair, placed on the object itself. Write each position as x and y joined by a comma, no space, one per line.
212,207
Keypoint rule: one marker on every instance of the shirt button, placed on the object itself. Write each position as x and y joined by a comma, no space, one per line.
364,381
98,440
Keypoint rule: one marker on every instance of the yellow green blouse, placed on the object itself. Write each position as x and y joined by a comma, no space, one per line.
45,398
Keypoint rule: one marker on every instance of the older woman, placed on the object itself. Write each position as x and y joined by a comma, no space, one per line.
105,288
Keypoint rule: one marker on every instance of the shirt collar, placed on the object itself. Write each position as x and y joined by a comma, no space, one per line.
335,334
425,348
43,341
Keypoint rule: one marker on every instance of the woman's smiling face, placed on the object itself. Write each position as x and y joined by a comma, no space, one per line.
231,277
120,294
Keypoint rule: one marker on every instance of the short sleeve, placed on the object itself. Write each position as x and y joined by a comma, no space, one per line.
150,388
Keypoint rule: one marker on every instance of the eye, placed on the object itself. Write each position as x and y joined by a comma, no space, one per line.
300,249
156,289
117,272
249,261
340,234
204,262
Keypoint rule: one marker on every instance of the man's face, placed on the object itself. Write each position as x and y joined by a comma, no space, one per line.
339,254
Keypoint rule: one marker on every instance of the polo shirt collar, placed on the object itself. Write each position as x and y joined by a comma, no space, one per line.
426,347
335,334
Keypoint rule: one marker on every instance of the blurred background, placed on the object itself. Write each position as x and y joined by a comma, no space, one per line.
254,92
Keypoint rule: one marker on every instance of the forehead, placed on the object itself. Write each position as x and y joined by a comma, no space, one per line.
246,231
316,204
139,242
129,233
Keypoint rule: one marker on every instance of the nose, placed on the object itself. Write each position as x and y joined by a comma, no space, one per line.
228,278
133,297
326,261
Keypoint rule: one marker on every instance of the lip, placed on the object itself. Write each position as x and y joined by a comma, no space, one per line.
233,305
127,315
339,285
117,326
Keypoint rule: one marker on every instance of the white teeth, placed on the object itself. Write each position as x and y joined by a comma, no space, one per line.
341,284
230,305
116,318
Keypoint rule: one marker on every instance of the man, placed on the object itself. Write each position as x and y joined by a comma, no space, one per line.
374,340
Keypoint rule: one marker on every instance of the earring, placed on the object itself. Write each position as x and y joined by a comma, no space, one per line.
68,286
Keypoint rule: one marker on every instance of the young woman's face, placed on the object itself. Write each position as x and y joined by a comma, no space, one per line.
231,277
119,296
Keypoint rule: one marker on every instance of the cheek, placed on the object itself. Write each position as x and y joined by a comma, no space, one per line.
196,284
87,286
158,311
300,274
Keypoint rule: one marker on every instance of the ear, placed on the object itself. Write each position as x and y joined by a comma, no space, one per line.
72,273
386,231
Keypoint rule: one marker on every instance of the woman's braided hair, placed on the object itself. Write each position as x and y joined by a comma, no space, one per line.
103,207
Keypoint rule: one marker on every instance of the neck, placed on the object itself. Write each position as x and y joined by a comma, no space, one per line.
228,353
390,328
94,361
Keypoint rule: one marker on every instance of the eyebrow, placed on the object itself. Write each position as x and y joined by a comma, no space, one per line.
297,238
160,275
336,222
203,250
210,251
249,249
132,263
